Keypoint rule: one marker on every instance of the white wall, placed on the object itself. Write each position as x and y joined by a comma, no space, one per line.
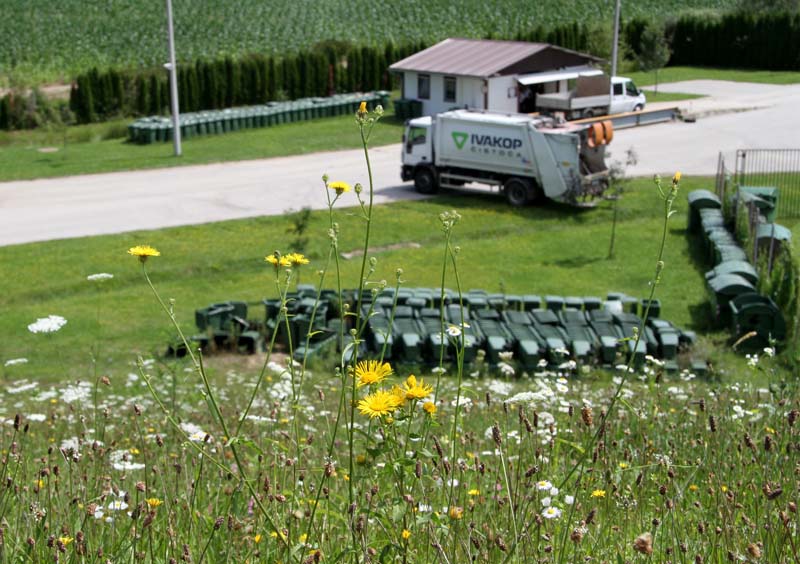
469,92
503,94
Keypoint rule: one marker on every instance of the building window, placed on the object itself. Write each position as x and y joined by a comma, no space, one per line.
424,86
450,89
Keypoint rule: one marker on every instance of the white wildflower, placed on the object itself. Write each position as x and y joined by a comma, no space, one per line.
49,324
15,361
551,513
99,277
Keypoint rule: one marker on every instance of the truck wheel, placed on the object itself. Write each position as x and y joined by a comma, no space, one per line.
425,181
588,113
518,192
638,108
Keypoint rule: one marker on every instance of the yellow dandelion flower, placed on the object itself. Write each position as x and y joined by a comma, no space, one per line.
282,261
429,407
417,390
456,513
133,450
724,489
361,459
339,187
693,488
257,539
297,259
143,252
623,465
370,372
362,108
40,483
406,534
303,537
378,404
676,177
65,540
599,493
474,491
399,396
154,502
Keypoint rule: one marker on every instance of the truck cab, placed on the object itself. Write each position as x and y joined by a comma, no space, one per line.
625,96
417,145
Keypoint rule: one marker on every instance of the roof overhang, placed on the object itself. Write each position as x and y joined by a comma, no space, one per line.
566,74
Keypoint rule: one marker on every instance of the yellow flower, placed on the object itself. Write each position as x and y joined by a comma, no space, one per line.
724,489
406,534
429,407
361,459
154,502
474,491
65,540
372,372
693,488
362,108
303,537
676,177
278,261
378,404
417,390
297,259
339,187
623,465
456,513
257,539
143,252
599,493
133,450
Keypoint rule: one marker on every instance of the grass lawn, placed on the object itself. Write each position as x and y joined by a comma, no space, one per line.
678,74
552,249
653,96
85,151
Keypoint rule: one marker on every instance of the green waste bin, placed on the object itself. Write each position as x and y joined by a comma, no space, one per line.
725,288
700,199
752,312
741,267
765,206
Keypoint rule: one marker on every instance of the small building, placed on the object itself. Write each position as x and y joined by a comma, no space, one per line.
489,74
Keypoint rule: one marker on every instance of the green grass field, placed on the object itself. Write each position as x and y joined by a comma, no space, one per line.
679,74
27,155
553,249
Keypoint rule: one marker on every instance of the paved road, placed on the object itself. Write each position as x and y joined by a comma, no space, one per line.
753,116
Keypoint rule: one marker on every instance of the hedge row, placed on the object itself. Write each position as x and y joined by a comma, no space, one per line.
323,70
741,40
226,83
768,41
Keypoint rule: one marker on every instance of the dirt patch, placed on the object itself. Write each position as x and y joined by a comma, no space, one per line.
375,250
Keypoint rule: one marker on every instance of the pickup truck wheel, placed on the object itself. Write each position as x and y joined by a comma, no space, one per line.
588,113
425,181
518,192
638,108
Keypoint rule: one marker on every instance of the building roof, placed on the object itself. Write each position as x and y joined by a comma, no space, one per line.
475,57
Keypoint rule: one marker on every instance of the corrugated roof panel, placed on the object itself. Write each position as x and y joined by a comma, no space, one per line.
469,57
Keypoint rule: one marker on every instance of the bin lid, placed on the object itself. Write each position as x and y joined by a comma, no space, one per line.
730,284
740,267
703,199
773,230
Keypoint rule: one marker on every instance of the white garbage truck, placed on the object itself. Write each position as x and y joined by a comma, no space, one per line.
526,157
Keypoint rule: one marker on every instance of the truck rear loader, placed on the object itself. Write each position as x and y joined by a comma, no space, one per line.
527,157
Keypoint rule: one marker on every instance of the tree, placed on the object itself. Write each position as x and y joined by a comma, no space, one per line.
654,51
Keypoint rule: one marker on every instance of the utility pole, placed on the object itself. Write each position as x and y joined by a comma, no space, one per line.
173,84
614,48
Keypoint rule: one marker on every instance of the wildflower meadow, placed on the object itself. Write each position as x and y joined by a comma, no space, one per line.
361,460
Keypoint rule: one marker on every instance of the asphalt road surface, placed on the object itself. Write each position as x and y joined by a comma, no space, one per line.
733,116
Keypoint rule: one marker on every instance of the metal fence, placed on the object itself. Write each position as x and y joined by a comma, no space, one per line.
770,167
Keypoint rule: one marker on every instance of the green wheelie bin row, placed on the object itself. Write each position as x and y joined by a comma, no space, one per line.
156,129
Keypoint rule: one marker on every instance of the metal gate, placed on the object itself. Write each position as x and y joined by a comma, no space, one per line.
772,167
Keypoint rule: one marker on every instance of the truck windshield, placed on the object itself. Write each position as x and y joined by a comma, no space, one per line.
416,135
630,89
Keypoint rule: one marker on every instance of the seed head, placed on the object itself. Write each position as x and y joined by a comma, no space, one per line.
643,544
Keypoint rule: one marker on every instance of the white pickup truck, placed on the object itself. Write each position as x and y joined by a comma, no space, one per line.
594,96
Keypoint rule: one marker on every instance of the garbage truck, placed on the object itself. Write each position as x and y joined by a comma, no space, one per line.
594,95
526,157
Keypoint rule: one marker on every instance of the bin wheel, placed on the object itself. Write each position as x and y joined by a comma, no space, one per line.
518,192
425,181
